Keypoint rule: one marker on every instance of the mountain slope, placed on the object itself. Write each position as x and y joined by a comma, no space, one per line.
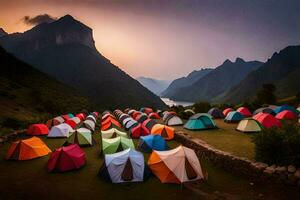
26,92
2,32
154,85
179,83
282,69
65,49
218,81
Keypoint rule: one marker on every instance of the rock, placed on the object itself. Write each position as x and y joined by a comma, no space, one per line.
297,174
269,170
259,165
280,170
291,168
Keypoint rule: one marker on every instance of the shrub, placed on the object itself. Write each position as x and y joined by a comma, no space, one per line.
279,146
201,107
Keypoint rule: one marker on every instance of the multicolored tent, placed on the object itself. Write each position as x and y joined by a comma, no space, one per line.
249,126
81,136
216,113
125,166
142,117
149,123
27,149
152,142
66,158
286,107
244,111
200,121
166,132
117,144
89,124
286,115
178,165
61,130
173,120
37,129
267,120
129,123
154,115
233,117
226,111
112,133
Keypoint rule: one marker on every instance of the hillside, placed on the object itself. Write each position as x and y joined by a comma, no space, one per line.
154,85
217,82
179,83
282,69
26,93
65,49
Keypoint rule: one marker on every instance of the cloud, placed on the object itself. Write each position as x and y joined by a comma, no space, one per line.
44,18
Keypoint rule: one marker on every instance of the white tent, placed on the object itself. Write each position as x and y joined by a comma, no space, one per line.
125,166
90,124
91,117
61,130
110,133
173,120
126,120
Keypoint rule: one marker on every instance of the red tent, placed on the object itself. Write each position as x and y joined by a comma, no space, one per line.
71,123
226,111
138,131
66,117
81,116
267,120
66,158
38,129
286,114
244,111
154,116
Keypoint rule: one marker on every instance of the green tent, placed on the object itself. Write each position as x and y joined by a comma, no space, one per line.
117,144
200,121
81,136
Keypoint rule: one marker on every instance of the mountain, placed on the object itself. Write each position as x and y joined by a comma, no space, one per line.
179,83
2,32
282,69
217,82
27,93
154,85
65,49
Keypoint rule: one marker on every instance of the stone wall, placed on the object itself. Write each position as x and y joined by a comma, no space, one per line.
240,166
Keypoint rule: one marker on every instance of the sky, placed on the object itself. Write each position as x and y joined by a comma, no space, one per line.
167,39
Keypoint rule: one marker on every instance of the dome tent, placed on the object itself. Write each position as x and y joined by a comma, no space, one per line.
165,131
244,111
37,129
149,123
267,120
286,107
66,158
81,136
61,130
216,113
200,121
112,133
138,130
173,120
226,111
125,166
55,121
154,115
249,126
117,144
264,110
152,142
286,115
233,117
178,165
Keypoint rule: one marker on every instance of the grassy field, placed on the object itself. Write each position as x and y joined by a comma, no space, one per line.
30,180
226,138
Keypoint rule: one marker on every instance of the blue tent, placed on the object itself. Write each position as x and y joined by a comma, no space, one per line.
234,116
216,113
200,121
152,142
286,107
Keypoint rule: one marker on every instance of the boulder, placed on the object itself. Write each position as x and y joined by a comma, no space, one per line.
297,174
291,168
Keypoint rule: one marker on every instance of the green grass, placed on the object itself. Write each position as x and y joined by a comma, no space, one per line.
226,138
30,180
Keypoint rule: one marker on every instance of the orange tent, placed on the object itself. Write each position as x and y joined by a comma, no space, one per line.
27,149
176,166
112,123
166,132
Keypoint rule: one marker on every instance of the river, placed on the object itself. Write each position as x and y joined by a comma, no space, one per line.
171,102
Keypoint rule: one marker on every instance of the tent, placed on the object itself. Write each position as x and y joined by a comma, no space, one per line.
226,111
244,111
200,121
112,123
71,123
125,166
107,115
117,144
66,158
264,110
135,114
81,136
216,113
287,115
189,111
173,120
286,107
70,115
166,132
178,165
146,110
233,117
123,117
112,133
130,123
167,114
142,117
27,149
61,130
92,118
149,123
249,126
154,116
38,129
55,121
152,142
138,130
89,124
81,116
267,120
